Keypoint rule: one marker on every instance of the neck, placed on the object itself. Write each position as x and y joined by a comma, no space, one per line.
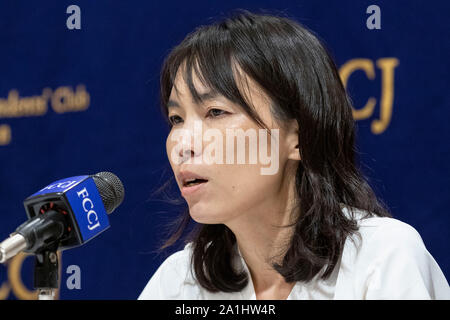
262,240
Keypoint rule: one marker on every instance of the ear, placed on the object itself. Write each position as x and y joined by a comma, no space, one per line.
292,141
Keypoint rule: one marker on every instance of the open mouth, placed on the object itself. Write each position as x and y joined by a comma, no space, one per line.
193,182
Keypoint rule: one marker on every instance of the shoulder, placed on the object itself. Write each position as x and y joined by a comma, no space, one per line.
172,279
379,238
385,232
391,261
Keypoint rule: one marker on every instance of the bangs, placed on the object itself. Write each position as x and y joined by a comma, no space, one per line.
208,55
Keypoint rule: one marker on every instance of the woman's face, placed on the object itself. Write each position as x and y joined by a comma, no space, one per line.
203,144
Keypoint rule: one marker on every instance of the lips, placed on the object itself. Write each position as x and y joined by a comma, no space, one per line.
191,182
187,177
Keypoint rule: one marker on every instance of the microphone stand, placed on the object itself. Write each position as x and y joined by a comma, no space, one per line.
46,273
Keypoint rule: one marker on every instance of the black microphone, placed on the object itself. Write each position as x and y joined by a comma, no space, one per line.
65,214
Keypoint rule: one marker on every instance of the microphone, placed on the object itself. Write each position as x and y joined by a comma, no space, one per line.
65,214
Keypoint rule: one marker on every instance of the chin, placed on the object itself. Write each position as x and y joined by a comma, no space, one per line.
204,218
205,215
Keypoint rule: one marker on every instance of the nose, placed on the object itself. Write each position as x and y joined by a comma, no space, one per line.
190,143
186,152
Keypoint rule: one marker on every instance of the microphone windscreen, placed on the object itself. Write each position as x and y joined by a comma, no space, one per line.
110,188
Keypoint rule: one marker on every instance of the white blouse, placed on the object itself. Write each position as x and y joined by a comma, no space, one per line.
391,262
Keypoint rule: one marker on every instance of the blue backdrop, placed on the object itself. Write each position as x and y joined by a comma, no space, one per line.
76,102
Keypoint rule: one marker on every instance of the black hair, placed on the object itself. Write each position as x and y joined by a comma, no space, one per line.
298,74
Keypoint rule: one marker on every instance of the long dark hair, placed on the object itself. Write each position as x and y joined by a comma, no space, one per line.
299,75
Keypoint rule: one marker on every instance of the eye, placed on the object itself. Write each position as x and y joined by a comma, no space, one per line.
175,120
214,112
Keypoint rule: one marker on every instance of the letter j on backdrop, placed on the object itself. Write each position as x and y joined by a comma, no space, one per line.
74,20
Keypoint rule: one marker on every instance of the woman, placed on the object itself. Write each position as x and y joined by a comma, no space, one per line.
304,224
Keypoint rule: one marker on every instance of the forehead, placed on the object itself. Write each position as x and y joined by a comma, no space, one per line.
250,91
245,94
180,88
181,93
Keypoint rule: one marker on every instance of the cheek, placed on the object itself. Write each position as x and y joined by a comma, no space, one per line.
235,191
169,149
168,146
241,187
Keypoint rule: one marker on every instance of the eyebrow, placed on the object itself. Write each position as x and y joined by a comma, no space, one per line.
210,95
